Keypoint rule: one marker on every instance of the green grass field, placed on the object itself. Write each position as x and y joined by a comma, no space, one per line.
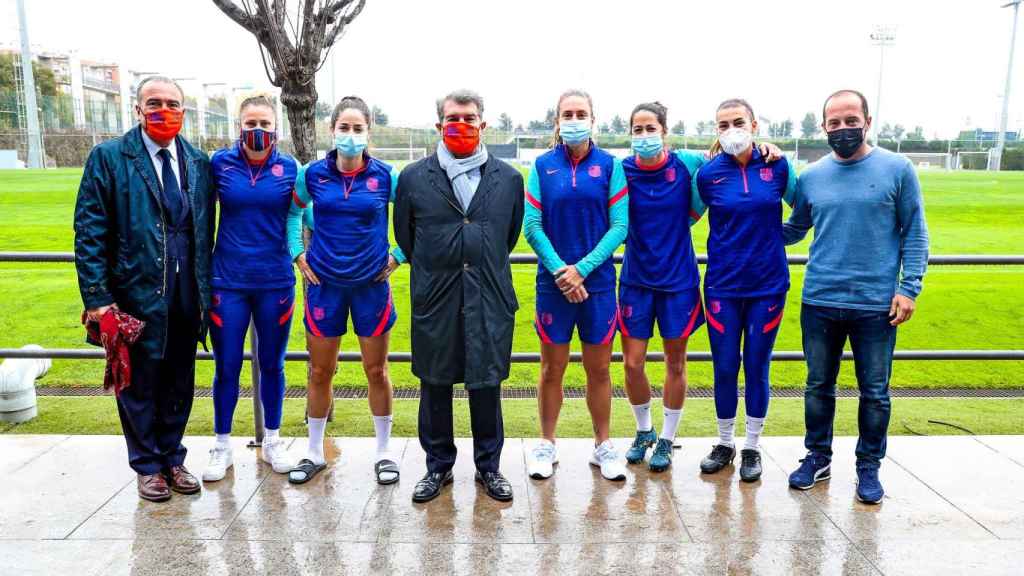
98,415
961,307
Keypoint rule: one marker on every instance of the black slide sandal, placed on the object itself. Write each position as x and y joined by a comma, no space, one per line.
308,468
385,466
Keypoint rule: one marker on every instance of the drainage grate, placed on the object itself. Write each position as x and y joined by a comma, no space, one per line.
350,392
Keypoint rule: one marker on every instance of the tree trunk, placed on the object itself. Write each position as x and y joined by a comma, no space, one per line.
299,101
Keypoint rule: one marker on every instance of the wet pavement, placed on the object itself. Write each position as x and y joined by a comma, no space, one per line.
954,505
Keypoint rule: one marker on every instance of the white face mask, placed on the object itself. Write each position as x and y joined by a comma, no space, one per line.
735,140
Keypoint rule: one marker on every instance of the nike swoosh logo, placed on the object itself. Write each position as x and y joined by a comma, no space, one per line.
282,300
772,308
718,180
552,171
322,180
226,168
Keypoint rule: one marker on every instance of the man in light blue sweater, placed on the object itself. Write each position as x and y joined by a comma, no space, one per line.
866,264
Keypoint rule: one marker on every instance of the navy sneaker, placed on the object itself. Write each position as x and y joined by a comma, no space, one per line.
869,489
750,465
813,468
644,440
720,457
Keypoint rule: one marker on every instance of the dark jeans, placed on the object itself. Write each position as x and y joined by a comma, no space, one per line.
437,433
872,340
154,409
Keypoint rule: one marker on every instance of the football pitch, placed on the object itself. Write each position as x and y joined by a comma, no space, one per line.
962,307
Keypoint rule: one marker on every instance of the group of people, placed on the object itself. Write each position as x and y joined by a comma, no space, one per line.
145,246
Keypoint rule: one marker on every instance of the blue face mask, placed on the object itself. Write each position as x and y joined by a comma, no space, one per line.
349,144
647,147
574,131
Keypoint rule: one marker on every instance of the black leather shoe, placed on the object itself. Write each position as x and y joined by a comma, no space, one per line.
496,485
430,486
750,465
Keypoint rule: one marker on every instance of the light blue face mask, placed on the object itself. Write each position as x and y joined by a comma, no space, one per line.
574,131
647,147
348,144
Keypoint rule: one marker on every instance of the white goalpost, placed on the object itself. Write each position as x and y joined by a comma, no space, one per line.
976,160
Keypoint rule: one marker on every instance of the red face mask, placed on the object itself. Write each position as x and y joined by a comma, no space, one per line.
461,138
163,124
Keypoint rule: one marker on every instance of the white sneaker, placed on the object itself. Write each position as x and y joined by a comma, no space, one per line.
606,457
275,453
543,458
220,461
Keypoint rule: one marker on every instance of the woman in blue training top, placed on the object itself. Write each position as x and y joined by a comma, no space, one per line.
252,277
576,216
747,276
659,279
347,267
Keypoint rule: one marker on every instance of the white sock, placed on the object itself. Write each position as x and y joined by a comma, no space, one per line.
754,428
671,423
642,413
271,434
725,429
315,452
223,440
382,427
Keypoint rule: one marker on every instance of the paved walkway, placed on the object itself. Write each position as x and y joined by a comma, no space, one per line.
955,505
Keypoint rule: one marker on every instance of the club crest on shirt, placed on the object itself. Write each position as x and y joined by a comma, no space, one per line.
670,175
716,306
318,313
594,171
546,318
216,300
372,184
767,175
277,170
627,311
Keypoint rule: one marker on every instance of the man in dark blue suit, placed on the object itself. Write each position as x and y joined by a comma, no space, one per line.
143,244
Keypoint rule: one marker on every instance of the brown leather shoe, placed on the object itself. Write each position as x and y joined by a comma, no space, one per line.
154,488
182,481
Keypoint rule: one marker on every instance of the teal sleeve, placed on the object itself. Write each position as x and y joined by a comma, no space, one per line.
396,252
618,216
800,220
790,194
533,225
300,201
691,159
697,206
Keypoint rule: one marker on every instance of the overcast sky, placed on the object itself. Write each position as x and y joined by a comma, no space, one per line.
945,71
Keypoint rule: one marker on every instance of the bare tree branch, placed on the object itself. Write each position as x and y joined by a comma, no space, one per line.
240,17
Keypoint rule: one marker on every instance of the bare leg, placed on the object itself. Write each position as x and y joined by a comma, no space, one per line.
596,358
553,360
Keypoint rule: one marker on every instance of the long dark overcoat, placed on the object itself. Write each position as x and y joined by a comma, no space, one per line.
463,302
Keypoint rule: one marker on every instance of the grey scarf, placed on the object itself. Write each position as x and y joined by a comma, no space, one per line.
464,173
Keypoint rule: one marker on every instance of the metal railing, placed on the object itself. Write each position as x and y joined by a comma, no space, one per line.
528,357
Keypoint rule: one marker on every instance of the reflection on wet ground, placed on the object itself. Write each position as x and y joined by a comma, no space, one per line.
954,505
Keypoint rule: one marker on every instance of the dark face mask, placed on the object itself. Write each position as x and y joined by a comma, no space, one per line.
846,141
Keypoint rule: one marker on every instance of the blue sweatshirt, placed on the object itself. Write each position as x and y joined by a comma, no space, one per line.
746,254
659,249
350,211
868,219
576,212
252,250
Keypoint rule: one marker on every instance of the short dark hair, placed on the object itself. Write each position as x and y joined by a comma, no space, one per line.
157,78
656,108
863,102
347,102
461,97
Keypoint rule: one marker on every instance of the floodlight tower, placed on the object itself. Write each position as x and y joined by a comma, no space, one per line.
994,163
35,146
882,36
